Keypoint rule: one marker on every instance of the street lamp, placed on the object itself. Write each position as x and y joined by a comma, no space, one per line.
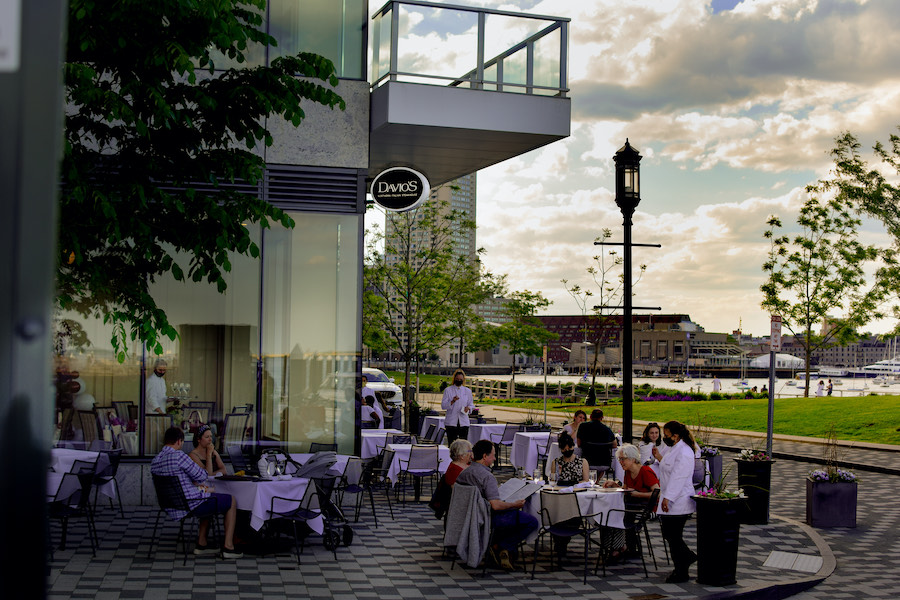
628,196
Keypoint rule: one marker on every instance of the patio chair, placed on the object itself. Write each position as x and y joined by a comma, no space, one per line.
561,516
429,433
322,447
543,450
636,521
72,500
107,475
504,440
89,427
234,428
100,446
170,496
599,456
123,409
155,426
296,512
423,462
239,462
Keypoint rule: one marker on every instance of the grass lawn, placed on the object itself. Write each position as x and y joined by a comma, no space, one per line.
864,418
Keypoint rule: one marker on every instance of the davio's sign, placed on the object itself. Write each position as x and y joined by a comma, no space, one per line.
400,189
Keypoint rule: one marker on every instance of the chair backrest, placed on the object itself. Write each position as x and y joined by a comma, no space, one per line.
439,436
544,449
83,466
241,408
123,408
402,439
234,428
509,433
110,469
423,458
133,412
598,454
556,508
69,490
429,433
197,414
89,428
155,426
65,423
387,459
648,508
103,415
322,447
169,493
238,461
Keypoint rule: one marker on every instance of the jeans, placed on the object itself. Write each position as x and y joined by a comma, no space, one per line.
511,527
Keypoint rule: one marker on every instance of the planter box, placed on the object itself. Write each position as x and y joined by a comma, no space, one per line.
755,478
831,504
718,534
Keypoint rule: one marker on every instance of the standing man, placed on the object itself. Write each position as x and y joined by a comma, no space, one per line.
511,525
458,402
830,387
717,385
156,389
172,462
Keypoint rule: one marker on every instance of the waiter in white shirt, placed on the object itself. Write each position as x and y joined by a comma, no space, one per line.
458,402
156,389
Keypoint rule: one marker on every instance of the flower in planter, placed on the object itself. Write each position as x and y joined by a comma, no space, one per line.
833,475
709,451
720,494
754,455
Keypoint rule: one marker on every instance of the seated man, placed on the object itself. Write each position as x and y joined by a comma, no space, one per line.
172,461
511,525
596,432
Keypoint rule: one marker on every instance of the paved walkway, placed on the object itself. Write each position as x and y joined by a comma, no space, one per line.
402,558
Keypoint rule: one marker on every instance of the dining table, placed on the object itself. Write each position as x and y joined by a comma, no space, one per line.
605,504
525,449
373,441
255,495
484,431
437,421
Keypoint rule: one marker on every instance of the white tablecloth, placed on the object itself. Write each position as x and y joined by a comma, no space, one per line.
437,421
483,431
373,441
524,451
256,497
589,502
401,452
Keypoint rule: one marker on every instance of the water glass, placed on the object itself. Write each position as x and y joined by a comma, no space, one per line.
593,477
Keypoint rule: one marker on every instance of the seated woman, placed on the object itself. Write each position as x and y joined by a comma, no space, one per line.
640,481
572,428
651,439
461,455
204,454
569,469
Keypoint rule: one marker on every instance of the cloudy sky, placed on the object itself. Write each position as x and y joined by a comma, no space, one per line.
734,106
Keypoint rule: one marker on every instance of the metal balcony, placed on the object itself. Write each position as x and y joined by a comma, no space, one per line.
438,105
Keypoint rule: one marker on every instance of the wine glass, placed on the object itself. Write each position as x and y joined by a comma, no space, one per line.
593,477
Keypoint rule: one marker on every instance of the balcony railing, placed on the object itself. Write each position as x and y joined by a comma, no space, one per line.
427,42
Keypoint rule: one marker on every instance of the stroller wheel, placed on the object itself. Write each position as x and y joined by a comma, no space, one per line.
331,540
348,535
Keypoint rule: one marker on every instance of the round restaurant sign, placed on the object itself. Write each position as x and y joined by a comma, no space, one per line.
400,189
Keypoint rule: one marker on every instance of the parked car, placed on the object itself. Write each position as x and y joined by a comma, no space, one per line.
385,386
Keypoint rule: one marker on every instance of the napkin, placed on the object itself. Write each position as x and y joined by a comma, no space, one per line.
566,490
583,484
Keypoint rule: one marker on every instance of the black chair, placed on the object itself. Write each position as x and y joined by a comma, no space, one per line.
100,446
234,428
566,520
543,451
80,467
239,462
107,474
372,478
429,433
170,496
294,511
504,440
403,439
322,447
635,521
72,500
599,455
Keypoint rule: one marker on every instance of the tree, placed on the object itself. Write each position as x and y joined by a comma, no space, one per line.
599,320
524,334
409,284
822,270
153,148
464,324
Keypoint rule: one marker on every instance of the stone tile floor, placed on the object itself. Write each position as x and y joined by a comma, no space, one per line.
402,559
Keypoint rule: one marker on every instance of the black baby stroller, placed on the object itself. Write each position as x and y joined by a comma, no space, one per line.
319,469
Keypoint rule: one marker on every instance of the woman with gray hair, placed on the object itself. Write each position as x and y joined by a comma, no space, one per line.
461,455
640,481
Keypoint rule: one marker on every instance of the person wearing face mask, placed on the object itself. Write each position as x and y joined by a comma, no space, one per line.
156,389
458,402
676,493
569,468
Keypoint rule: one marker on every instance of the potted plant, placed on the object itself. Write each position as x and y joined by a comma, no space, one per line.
755,478
718,533
831,492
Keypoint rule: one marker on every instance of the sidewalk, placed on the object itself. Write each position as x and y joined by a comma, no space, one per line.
402,559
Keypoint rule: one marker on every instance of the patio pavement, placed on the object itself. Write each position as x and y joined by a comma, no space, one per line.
402,557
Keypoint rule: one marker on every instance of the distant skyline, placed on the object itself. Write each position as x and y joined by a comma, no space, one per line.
734,106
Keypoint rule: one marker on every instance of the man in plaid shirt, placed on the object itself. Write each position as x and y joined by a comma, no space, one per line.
171,461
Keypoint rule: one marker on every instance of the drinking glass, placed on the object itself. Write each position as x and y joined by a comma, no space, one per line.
538,476
593,477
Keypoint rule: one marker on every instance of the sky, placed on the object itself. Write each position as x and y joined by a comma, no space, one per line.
734,106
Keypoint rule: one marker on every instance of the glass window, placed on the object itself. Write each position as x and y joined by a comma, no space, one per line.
333,28
210,368
310,331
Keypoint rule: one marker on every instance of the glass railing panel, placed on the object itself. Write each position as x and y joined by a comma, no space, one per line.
546,63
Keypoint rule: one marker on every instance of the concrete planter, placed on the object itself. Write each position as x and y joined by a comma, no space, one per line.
831,504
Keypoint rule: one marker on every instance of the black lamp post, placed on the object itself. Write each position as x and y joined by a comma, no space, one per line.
628,196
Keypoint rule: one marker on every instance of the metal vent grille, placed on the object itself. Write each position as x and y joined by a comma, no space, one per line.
327,190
